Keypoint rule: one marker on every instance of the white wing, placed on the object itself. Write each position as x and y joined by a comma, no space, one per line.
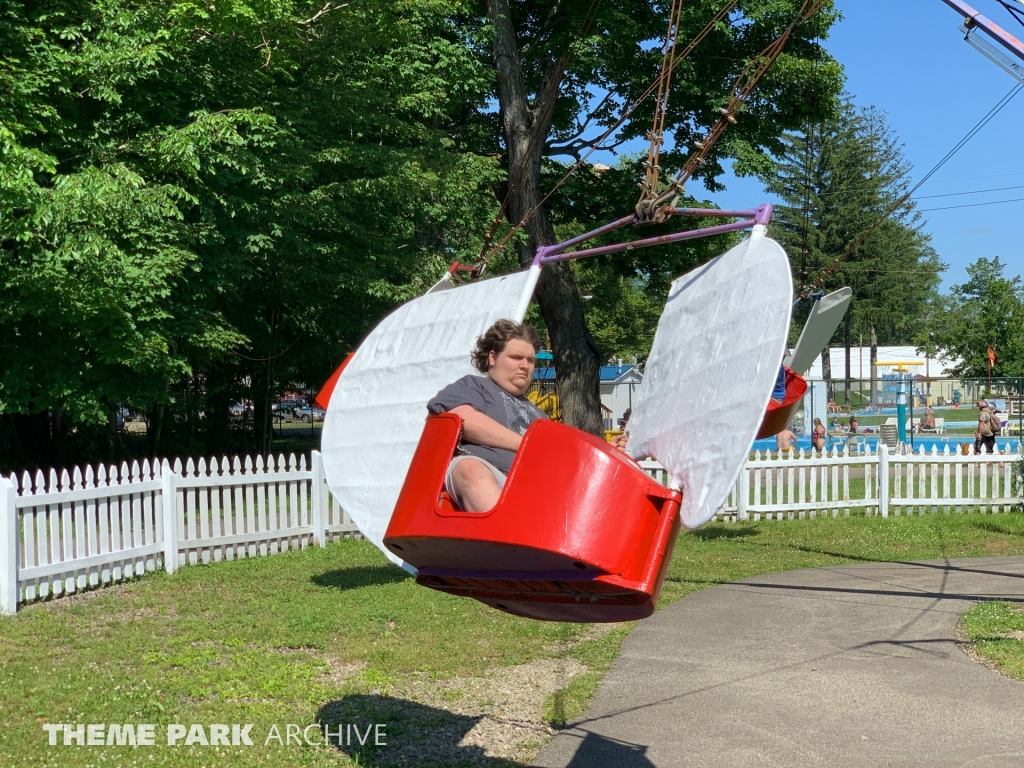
710,374
377,410
826,315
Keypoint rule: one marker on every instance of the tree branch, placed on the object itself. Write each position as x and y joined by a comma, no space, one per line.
547,97
326,9
581,128
575,148
546,26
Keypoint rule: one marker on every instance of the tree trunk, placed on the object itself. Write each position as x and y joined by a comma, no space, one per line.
874,363
218,423
154,427
846,342
577,358
826,372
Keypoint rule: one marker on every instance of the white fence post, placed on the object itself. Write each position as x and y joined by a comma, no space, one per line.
8,547
318,500
169,504
883,479
743,491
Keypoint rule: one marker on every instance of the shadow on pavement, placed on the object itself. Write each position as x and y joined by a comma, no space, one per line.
363,576
412,734
888,592
600,752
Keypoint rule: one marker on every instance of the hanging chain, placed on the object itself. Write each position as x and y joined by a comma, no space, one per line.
660,206
649,187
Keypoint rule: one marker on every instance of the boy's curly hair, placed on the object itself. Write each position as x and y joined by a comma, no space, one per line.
497,337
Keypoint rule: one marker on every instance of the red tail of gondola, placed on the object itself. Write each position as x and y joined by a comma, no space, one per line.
580,532
777,415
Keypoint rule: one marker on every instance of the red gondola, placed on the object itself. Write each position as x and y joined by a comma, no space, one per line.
580,532
778,415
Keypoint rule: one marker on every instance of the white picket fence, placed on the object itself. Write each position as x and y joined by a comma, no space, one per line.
63,533
881,482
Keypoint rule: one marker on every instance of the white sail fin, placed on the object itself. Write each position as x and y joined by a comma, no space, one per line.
826,315
714,361
377,410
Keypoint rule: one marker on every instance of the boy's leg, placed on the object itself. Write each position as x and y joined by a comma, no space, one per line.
475,485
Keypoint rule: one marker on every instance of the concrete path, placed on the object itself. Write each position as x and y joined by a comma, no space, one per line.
849,666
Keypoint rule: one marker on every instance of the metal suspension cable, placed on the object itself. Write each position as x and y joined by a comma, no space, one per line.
741,90
485,259
805,249
902,200
656,136
649,188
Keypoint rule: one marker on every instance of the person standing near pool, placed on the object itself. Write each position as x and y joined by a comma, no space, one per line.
928,422
988,428
785,440
818,435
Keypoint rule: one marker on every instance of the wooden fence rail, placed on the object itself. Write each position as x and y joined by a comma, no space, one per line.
61,533
881,482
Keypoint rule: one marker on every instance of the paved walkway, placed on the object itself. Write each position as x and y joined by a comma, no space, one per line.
849,666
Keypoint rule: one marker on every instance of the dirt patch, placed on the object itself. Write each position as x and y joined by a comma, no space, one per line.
995,547
505,706
339,672
966,645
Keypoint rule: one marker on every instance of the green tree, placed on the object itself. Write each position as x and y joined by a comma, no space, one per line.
986,311
204,201
837,179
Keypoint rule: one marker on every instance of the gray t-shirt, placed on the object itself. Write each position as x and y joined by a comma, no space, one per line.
479,392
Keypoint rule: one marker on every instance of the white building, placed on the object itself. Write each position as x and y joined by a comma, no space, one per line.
860,362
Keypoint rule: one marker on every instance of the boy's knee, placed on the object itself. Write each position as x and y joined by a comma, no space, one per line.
471,472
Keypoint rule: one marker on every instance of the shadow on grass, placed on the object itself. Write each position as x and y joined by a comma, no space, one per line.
363,576
739,532
411,734
995,527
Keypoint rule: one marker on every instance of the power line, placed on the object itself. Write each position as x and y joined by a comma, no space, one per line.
972,192
972,205
902,201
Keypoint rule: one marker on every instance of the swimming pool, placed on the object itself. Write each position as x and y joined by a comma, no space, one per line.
939,442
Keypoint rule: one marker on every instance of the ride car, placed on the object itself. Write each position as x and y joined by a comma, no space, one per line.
308,415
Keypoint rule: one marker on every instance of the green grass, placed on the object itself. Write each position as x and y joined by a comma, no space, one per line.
997,632
337,635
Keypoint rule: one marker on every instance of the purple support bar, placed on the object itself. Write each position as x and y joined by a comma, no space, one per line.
547,254
993,30
625,221
544,258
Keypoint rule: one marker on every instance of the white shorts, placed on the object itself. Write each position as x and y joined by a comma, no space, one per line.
449,485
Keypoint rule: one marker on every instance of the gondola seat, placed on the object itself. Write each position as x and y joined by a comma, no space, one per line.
579,533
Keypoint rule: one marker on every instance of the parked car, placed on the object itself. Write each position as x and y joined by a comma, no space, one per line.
308,415
239,410
289,406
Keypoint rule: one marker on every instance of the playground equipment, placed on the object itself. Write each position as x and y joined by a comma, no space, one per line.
896,378
547,402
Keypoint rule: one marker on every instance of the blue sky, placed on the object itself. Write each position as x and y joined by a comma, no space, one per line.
908,58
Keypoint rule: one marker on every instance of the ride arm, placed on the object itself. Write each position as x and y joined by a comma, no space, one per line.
480,429
975,20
